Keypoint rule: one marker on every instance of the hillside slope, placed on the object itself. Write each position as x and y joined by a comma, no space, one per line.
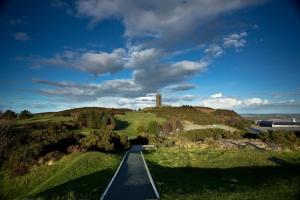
201,115
76,176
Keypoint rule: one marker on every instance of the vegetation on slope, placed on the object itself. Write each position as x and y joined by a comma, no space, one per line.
128,124
201,116
225,174
76,176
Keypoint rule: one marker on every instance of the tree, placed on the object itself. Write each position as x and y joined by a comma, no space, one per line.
9,114
25,114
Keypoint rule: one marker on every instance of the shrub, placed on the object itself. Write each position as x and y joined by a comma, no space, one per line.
26,148
9,114
154,128
213,133
96,119
172,126
282,138
141,129
25,114
104,139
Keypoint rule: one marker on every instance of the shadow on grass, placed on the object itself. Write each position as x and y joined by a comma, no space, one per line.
121,125
86,187
231,183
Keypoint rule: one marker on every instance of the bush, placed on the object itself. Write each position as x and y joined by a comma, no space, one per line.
141,129
162,141
9,114
103,140
213,133
96,119
25,114
172,126
282,138
27,148
154,128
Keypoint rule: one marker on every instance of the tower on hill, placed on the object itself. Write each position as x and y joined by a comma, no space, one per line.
158,100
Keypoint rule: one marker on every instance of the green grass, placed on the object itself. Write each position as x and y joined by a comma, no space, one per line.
44,118
225,174
76,176
129,122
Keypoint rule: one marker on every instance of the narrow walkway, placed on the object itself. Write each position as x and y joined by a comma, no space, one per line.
132,180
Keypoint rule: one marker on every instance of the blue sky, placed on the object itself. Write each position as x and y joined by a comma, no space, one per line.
242,55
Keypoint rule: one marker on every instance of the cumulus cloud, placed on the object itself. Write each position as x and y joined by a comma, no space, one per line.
150,27
217,95
89,61
235,40
163,21
218,100
138,57
158,76
91,91
22,36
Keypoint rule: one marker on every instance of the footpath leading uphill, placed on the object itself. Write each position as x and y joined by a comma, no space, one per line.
132,180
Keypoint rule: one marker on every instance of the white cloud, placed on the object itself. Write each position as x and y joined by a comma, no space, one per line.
222,102
235,40
88,61
181,87
214,50
21,36
255,101
217,95
142,57
163,21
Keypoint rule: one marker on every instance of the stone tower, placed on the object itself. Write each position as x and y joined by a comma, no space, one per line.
158,100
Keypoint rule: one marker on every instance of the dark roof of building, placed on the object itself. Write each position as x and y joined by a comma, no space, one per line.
287,123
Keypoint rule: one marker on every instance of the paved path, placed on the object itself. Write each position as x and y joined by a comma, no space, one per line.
131,181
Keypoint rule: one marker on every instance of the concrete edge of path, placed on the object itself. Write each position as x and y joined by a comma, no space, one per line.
113,178
150,177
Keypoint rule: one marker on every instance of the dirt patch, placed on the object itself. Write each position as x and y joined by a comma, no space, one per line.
188,126
231,144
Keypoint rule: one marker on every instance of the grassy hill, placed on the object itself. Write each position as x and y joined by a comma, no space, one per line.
225,174
74,111
129,122
76,176
200,115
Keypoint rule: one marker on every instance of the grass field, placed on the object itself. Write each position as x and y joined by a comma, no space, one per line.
128,123
76,176
225,174
44,118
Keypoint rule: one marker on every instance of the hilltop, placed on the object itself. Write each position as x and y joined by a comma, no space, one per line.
201,115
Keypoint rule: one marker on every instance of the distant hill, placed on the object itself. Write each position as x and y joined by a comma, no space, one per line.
74,111
201,115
